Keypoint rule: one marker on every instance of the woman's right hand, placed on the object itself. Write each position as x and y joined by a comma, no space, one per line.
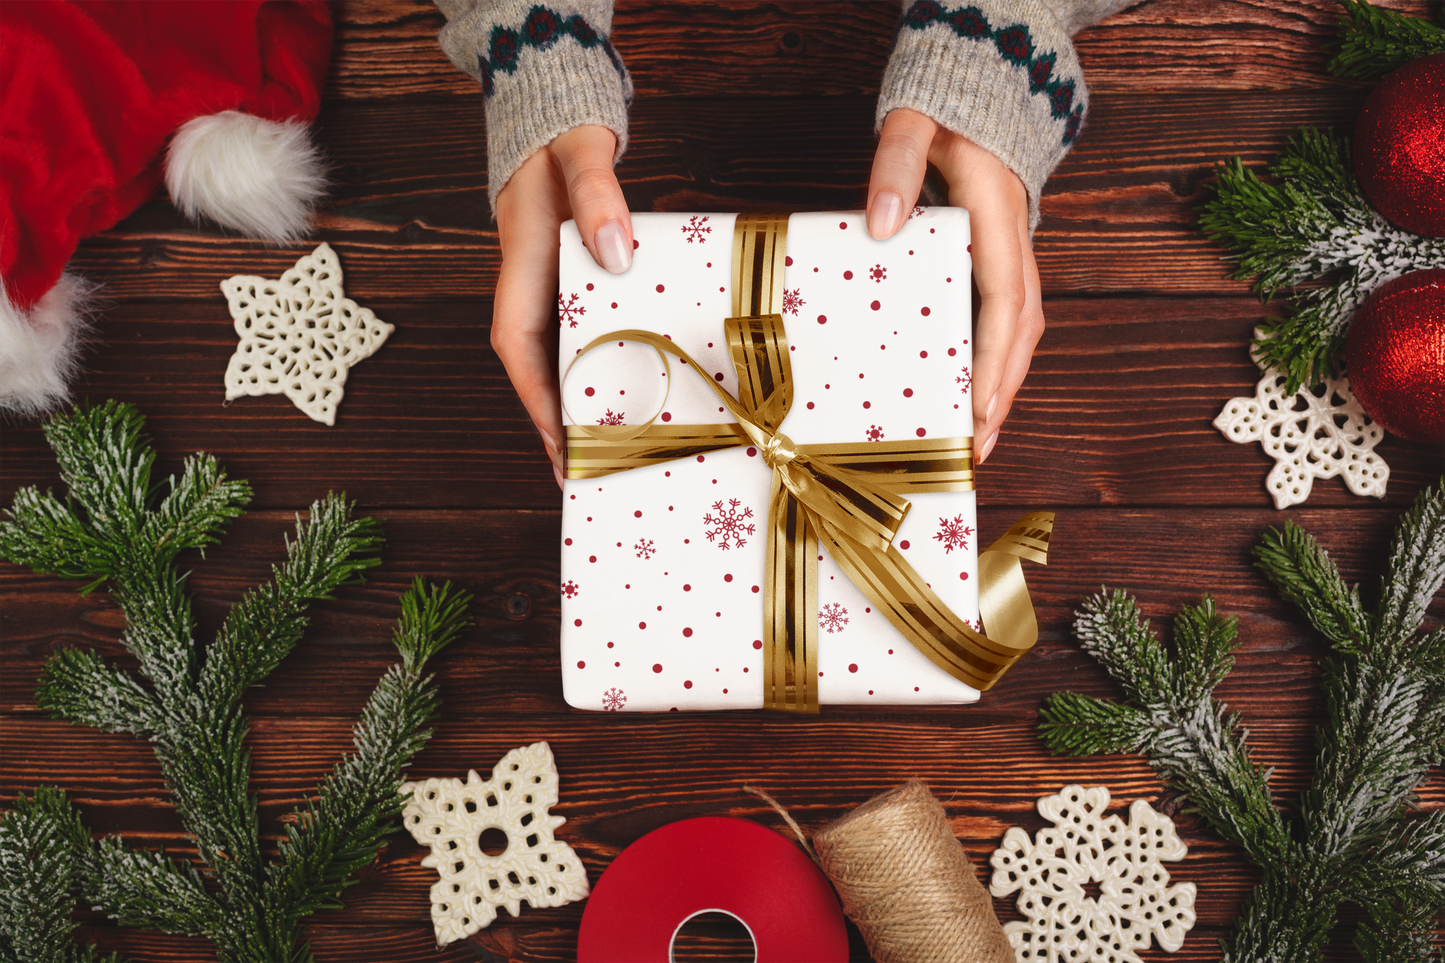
569,178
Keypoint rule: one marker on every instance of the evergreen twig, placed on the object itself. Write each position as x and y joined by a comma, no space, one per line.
116,528
1353,838
1372,41
42,849
1309,222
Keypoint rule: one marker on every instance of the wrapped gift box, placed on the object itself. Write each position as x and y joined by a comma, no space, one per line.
662,566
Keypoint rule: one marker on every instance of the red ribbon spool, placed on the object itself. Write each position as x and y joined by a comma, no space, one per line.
712,864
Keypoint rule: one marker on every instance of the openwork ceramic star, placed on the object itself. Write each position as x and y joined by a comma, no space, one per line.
1051,874
1318,432
299,335
451,816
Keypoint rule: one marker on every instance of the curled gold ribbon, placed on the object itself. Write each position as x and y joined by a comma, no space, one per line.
849,498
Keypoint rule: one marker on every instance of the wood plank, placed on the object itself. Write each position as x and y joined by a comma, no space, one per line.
506,664
1145,343
1117,410
388,48
620,783
408,211
642,772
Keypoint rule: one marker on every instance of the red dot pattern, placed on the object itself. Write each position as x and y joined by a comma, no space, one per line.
831,301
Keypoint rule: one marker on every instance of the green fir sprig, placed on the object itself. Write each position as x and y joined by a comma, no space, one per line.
43,846
1372,42
1352,838
1309,222
116,527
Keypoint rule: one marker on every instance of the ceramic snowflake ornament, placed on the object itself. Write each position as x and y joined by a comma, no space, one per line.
299,335
450,816
1084,847
1319,432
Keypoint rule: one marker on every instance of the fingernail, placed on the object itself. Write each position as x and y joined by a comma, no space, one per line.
883,216
987,448
992,404
549,443
612,247
557,473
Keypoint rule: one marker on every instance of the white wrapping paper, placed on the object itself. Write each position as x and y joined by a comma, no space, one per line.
662,567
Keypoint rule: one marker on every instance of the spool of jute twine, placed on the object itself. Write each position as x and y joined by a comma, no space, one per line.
906,882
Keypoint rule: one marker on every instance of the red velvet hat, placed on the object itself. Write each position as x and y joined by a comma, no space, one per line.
91,96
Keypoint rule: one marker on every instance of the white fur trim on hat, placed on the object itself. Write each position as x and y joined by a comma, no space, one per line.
40,348
259,177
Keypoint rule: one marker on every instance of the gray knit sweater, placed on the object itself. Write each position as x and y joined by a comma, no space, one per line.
1002,73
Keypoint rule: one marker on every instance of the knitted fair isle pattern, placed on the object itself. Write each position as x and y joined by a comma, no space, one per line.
541,29
1015,45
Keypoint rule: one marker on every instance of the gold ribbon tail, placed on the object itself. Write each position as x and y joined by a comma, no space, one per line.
1004,605
850,498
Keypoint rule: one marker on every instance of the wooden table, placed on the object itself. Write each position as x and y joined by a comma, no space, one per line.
740,106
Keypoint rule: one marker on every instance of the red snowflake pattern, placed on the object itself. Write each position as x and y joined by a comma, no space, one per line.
878,273
694,229
613,699
644,548
916,211
953,534
612,418
832,617
570,589
874,433
731,524
792,300
569,310
974,624
965,379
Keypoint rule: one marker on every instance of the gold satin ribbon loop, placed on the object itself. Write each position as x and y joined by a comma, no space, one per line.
849,498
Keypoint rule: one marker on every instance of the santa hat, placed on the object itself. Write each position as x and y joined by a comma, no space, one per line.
91,94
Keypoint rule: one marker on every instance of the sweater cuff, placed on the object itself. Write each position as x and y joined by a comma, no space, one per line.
1000,72
544,70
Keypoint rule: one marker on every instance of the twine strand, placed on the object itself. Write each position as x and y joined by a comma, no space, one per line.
905,881
788,818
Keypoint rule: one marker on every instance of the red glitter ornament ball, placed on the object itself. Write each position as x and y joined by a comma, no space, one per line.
1395,356
1399,146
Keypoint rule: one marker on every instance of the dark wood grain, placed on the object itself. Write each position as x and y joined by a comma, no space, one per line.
739,106
387,48
508,661
408,213
1117,410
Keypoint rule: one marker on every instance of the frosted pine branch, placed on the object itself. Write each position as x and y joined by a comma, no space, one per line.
1080,725
1191,742
1303,573
197,508
1374,42
361,795
186,699
1309,222
1417,566
1411,859
1398,933
330,549
1384,695
78,687
1368,757
43,847
138,887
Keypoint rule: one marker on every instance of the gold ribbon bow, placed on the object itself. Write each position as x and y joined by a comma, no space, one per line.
848,497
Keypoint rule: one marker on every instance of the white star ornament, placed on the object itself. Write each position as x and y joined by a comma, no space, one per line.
299,335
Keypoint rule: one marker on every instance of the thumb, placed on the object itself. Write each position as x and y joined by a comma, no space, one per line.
584,155
898,169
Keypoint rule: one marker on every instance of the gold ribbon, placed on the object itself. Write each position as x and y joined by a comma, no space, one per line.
847,497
